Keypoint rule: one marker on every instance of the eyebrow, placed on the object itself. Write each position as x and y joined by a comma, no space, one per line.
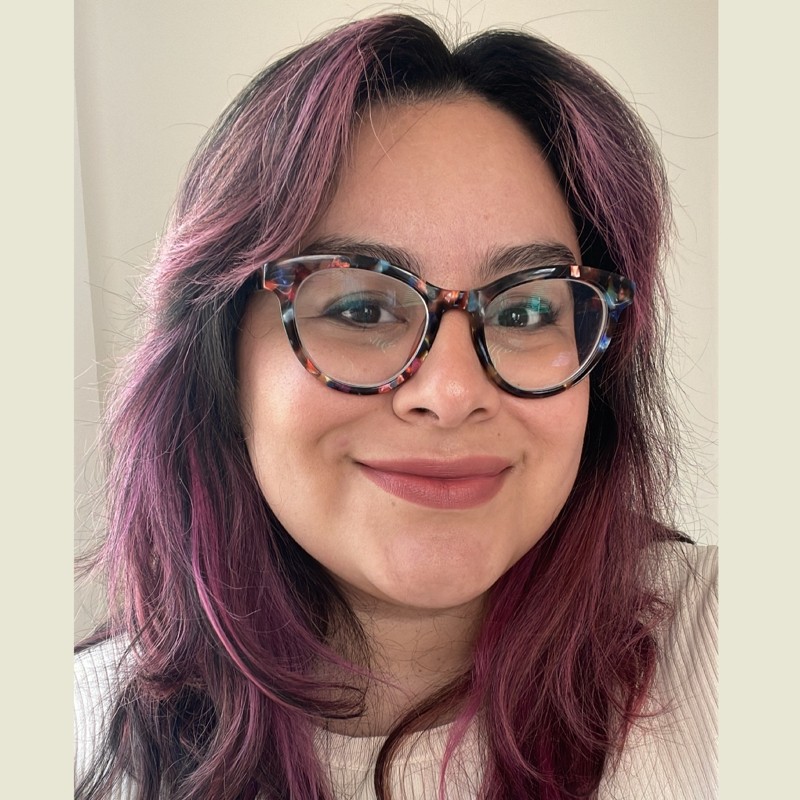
497,262
527,256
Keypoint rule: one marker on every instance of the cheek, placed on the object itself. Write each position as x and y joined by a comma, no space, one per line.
292,422
276,394
570,421
559,422
267,383
557,427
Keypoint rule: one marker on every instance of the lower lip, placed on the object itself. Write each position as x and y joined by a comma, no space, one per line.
453,493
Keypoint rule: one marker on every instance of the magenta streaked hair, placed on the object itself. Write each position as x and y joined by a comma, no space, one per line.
225,612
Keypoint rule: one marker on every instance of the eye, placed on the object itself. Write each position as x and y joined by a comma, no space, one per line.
364,309
523,312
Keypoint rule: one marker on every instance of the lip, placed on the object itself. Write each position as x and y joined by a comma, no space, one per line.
456,484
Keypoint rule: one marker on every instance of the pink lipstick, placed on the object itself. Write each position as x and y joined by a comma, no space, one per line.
464,483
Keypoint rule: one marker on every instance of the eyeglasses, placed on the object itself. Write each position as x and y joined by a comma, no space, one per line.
364,326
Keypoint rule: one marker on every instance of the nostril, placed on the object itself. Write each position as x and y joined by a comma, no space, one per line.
424,413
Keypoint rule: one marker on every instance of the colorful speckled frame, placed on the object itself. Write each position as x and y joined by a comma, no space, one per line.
283,278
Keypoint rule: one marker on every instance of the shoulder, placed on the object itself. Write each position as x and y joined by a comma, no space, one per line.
688,664
671,754
100,672
689,569
690,640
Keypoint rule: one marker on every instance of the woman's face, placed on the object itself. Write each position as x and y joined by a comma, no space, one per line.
425,496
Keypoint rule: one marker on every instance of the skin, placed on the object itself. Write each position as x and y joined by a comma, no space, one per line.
447,183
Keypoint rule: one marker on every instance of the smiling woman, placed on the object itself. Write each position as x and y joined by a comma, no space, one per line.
388,473
445,440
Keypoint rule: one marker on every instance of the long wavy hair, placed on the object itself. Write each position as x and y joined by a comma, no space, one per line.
222,611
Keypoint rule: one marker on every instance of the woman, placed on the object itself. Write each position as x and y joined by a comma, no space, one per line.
369,536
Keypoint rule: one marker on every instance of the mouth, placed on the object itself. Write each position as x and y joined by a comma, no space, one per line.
461,484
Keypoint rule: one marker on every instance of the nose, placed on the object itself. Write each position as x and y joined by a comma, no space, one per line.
451,387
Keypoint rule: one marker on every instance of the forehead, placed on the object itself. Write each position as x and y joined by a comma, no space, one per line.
450,183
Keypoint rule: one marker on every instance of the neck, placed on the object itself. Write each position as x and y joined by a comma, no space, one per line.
415,652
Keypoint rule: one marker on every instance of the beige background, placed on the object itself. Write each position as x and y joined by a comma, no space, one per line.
151,76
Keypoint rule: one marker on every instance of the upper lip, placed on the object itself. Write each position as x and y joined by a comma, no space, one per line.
466,467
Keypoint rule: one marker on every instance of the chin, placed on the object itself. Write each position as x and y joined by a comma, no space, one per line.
437,601
433,593
451,572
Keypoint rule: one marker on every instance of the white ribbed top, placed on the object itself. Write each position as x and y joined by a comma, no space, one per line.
670,756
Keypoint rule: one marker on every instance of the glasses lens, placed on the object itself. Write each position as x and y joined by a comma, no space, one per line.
359,327
541,333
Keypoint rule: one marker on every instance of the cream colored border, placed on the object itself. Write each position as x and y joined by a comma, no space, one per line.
37,377
759,407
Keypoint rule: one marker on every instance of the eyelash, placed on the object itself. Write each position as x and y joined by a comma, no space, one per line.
346,304
548,316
